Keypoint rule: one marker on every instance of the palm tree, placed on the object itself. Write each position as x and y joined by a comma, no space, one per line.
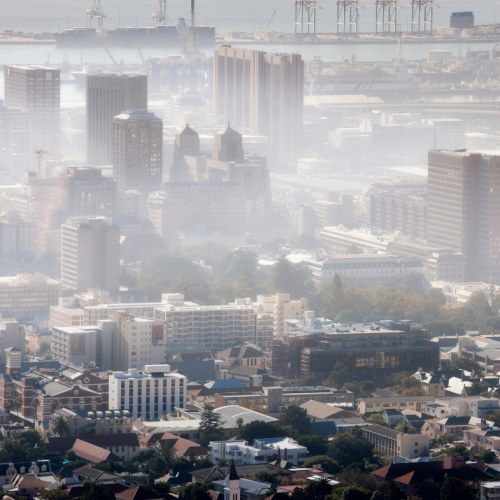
59,426
17,404
54,405
8,405
35,404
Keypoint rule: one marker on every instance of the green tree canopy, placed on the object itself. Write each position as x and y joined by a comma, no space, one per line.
327,464
210,426
346,449
258,429
298,418
455,489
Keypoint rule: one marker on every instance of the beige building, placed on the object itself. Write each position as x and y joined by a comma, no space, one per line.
446,266
137,342
397,444
94,313
66,313
90,254
17,236
262,94
107,97
25,295
399,403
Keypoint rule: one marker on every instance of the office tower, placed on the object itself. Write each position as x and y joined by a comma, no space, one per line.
36,89
138,151
107,97
80,191
90,254
15,142
262,94
463,209
17,236
462,20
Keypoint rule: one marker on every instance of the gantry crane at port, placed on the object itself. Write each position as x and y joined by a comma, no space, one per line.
96,11
422,9
160,16
307,9
389,7
343,8
41,204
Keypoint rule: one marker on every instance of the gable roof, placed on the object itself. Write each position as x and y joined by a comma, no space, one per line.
79,490
219,473
93,453
323,411
184,447
241,352
139,493
97,475
63,444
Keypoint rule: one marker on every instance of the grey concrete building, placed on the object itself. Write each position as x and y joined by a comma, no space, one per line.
463,209
90,254
107,97
262,94
138,151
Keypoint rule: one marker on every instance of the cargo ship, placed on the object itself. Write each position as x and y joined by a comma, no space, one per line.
175,35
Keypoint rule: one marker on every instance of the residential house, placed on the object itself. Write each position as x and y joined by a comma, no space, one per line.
483,435
9,471
392,417
218,473
93,454
455,426
181,447
473,406
437,382
88,473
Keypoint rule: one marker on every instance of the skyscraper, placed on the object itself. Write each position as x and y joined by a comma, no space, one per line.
90,254
15,141
107,97
36,89
138,151
262,94
464,209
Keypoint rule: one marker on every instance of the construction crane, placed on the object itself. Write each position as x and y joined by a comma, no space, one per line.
270,21
160,16
96,11
41,153
142,57
118,65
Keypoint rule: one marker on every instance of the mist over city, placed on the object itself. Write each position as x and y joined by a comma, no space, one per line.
250,250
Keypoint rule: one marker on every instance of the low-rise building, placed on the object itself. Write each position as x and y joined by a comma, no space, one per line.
483,435
66,313
150,393
379,404
471,406
243,454
490,490
446,266
437,382
395,443
392,417
454,426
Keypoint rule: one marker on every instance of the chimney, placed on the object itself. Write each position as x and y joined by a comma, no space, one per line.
286,455
279,454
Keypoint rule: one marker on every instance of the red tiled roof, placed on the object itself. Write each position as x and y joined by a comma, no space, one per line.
406,479
138,493
184,447
152,438
93,453
381,472
63,444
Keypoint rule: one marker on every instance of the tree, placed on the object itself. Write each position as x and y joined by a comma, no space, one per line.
319,489
467,364
196,491
239,422
436,293
54,405
259,429
292,278
455,489
376,418
157,466
353,249
338,376
97,491
315,444
355,493
405,427
210,426
297,417
327,464
445,438
405,384
13,451
75,408
392,491
428,490
31,437
35,403
346,449
357,431
17,403
59,426
415,282
54,495
478,302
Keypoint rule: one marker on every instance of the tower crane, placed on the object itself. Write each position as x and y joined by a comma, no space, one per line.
270,21
41,153
118,65
160,16
96,11
142,57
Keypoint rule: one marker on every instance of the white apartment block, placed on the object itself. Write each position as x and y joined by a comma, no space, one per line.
446,267
471,406
150,393
25,295
92,314
365,269
137,341
242,454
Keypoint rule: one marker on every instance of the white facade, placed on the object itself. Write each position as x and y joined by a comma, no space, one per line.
242,454
473,406
490,490
16,235
149,394
446,267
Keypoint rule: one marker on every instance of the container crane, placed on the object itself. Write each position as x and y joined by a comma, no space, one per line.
160,16
41,153
96,11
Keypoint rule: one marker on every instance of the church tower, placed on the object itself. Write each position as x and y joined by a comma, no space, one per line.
232,490
228,145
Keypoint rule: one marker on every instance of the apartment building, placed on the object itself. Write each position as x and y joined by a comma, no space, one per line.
150,393
399,403
397,444
17,236
137,341
138,151
66,313
90,254
446,266
364,269
92,314
11,335
36,89
25,295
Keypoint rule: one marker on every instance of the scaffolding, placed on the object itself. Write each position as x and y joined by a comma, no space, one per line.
386,15
348,12
422,10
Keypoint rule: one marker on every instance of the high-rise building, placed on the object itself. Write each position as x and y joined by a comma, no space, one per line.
36,89
262,94
17,236
463,209
90,254
15,140
107,97
138,151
